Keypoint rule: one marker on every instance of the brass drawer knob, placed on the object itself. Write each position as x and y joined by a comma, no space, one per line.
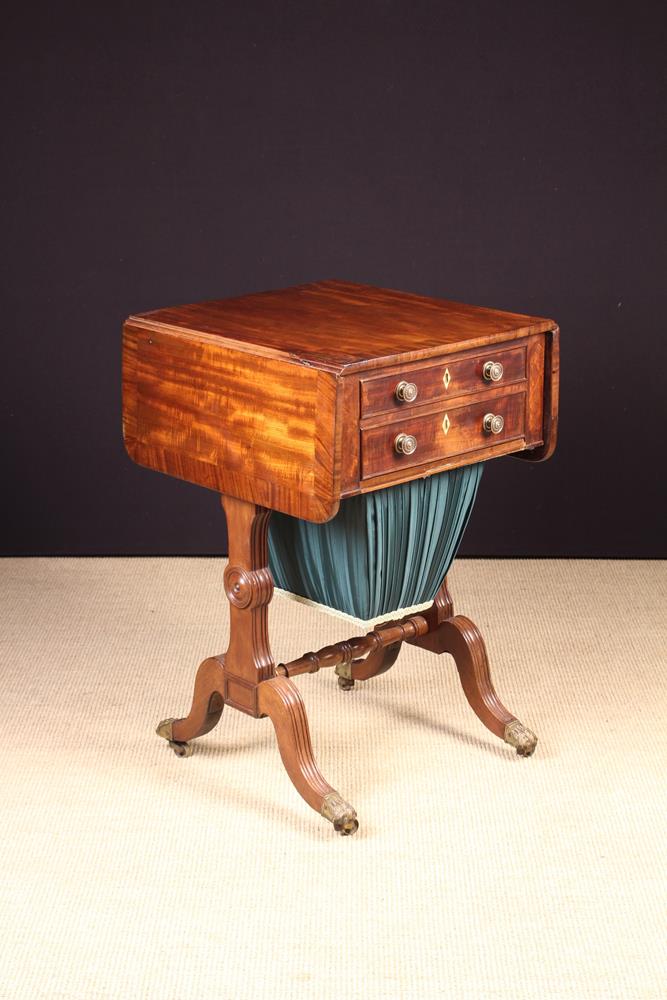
493,371
405,444
406,392
493,423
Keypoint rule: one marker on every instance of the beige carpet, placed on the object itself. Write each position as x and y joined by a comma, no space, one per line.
128,873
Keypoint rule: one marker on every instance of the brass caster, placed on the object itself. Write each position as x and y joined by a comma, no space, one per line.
340,813
346,827
522,739
164,729
345,683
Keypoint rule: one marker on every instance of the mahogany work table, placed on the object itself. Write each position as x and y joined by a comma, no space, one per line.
317,402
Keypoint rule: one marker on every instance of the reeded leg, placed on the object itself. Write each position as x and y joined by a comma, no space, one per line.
245,677
279,698
464,641
207,705
461,637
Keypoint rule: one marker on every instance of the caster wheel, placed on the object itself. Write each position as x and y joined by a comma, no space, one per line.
181,749
346,827
345,683
522,739
340,814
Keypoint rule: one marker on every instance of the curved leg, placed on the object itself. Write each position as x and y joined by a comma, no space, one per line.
377,662
279,698
207,705
461,637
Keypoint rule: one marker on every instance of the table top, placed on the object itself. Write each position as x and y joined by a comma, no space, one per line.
341,326
297,398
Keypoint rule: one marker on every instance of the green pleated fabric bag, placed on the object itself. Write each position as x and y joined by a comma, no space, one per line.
382,551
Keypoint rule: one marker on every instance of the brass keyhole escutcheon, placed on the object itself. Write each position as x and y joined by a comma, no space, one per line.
446,423
446,378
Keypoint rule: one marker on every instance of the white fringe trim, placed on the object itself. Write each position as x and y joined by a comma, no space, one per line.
369,624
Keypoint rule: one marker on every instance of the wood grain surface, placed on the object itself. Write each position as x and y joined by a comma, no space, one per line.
446,432
253,427
442,380
341,326
284,398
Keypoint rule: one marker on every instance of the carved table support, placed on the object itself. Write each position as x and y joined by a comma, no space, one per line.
281,701
457,635
375,647
207,705
245,676
440,631
380,660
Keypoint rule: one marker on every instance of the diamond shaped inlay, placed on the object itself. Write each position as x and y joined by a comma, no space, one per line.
446,423
446,378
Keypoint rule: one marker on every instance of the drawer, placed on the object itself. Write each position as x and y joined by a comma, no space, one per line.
443,380
441,435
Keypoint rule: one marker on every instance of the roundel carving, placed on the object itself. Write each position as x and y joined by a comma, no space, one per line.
248,588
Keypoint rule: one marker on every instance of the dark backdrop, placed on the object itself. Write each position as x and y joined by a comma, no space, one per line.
509,155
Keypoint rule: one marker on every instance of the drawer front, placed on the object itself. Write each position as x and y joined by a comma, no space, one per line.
442,435
442,381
